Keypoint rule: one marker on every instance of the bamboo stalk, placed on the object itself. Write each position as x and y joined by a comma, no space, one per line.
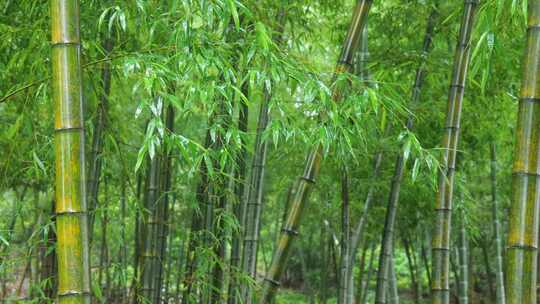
254,199
365,289
463,266
356,234
522,251
163,205
239,189
97,140
399,168
500,297
149,256
412,268
440,291
393,293
71,209
312,165
345,237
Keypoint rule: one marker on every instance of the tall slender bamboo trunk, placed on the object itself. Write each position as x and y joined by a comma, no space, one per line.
163,207
71,209
312,165
413,269
365,288
48,263
500,297
325,266
197,225
393,293
522,250
148,254
357,233
123,250
239,188
254,200
345,237
487,265
425,259
399,169
104,250
98,138
463,266
440,290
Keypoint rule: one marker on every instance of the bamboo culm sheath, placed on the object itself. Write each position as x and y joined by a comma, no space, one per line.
312,165
70,207
440,290
522,248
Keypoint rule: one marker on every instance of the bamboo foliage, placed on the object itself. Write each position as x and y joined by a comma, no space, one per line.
71,213
441,235
312,165
522,251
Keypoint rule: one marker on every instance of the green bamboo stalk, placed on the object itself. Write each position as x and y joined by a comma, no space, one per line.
399,168
197,225
463,266
522,251
362,267
440,291
123,250
312,165
413,270
356,234
163,205
500,297
239,189
149,256
325,266
97,141
71,209
48,263
393,293
254,199
345,238
425,259
485,247
365,288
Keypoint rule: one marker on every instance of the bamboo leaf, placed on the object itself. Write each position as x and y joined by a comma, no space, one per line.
39,163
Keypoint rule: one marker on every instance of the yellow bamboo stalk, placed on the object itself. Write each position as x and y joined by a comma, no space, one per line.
521,263
70,207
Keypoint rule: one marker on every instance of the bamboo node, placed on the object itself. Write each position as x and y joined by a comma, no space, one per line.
65,43
532,99
290,231
67,129
440,249
440,289
523,247
273,282
308,179
72,293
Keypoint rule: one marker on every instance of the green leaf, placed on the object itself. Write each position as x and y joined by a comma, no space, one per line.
234,13
39,163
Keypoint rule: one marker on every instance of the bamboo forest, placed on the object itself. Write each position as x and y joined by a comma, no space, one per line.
269,151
